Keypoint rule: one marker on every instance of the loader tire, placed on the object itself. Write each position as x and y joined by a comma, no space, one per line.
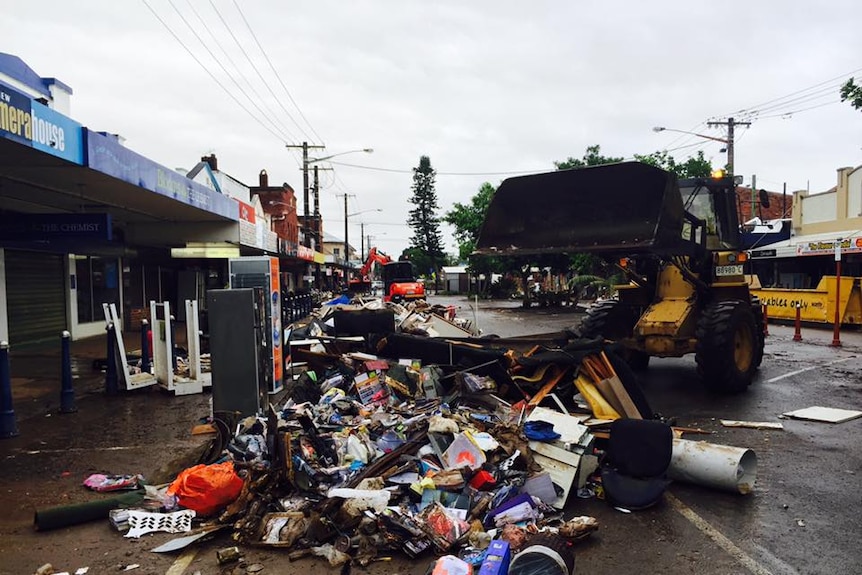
727,346
612,320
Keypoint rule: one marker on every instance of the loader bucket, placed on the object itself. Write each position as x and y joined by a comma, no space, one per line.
626,208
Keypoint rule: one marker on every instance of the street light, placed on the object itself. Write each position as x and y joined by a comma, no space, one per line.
324,158
663,129
306,161
730,123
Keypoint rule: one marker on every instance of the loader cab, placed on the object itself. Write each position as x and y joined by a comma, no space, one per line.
711,219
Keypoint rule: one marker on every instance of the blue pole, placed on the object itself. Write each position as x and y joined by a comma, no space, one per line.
67,392
111,384
145,346
8,426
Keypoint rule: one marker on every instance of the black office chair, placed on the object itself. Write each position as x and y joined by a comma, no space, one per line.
634,467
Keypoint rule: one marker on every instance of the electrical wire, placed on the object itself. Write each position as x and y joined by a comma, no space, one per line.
211,75
285,135
238,70
842,78
255,68
787,115
277,75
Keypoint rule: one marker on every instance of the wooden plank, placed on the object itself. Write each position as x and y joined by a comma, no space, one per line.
620,391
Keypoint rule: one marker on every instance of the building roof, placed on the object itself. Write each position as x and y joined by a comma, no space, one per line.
15,67
454,269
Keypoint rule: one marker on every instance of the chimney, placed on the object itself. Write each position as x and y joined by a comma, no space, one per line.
212,161
264,179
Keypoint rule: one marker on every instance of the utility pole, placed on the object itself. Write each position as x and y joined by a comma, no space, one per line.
753,194
730,123
316,210
346,243
305,146
362,241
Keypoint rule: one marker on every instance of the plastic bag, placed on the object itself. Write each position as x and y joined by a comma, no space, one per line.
207,488
104,483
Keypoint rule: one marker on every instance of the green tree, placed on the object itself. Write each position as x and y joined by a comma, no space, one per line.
592,157
694,167
427,241
852,92
467,219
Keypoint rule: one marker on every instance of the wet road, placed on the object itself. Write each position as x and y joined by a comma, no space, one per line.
801,518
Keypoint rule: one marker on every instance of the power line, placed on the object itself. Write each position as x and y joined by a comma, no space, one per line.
277,75
211,75
410,171
254,67
792,112
239,71
744,111
285,134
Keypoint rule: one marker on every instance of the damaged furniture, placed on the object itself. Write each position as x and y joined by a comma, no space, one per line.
634,471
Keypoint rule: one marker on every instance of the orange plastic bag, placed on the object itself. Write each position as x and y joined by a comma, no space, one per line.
206,488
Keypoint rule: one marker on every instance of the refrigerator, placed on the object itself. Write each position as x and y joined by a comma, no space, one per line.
263,272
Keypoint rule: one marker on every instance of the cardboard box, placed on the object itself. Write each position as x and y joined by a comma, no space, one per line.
497,559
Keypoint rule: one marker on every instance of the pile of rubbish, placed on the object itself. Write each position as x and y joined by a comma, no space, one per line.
459,449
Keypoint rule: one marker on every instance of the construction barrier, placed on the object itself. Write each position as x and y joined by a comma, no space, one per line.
816,305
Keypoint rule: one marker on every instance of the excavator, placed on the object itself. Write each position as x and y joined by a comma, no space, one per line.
399,282
362,283
676,242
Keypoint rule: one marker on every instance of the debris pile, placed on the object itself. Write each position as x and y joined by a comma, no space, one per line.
385,440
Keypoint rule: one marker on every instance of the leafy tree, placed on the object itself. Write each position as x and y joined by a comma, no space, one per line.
694,167
592,157
467,219
427,241
852,92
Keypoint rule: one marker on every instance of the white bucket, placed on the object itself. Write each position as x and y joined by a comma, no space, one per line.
718,466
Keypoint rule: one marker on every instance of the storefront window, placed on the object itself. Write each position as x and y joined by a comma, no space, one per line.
97,282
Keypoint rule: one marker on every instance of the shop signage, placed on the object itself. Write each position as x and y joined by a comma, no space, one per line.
26,227
105,154
305,253
38,126
246,212
763,254
851,245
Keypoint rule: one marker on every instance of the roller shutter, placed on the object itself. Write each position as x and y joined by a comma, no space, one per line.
35,296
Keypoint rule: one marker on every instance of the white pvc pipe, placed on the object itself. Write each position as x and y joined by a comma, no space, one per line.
718,466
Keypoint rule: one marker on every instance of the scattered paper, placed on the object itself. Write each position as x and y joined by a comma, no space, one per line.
752,424
824,414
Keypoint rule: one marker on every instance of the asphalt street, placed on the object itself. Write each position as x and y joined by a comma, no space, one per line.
801,518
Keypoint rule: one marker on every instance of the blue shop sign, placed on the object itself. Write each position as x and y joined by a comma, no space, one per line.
38,126
15,116
105,154
55,134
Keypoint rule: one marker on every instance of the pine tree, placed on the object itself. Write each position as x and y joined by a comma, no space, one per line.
427,240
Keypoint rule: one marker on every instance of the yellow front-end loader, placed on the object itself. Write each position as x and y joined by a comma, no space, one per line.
677,241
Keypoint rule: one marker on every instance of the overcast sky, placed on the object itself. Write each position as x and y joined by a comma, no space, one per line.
483,88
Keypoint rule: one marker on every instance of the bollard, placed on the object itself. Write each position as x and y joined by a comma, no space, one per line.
8,426
145,346
111,383
67,392
765,319
797,336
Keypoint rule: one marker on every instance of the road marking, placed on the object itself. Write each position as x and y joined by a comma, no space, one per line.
798,371
182,562
719,538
